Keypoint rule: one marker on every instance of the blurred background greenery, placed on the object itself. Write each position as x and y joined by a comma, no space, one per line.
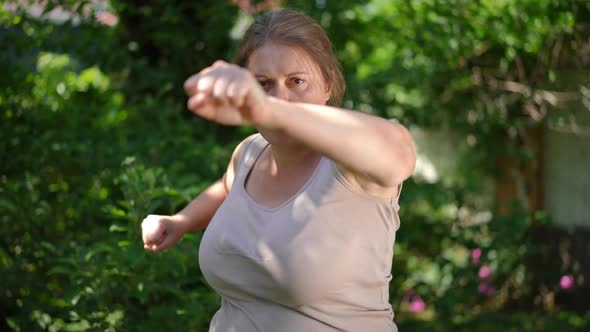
95,135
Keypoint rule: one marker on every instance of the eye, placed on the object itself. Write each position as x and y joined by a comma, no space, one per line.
297,81
266,84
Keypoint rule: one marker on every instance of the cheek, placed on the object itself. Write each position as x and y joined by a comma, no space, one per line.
311,95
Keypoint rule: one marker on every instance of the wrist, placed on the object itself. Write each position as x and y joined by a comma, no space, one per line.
272,108
181,221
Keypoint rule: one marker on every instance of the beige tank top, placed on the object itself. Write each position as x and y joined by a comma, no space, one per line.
321,261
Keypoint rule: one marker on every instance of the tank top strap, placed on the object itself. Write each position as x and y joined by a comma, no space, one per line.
252,151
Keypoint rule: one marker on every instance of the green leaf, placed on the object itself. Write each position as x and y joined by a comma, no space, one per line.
117,228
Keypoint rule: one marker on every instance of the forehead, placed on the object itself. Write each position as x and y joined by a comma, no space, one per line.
276,59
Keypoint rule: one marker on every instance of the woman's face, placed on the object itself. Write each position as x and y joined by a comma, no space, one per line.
288,73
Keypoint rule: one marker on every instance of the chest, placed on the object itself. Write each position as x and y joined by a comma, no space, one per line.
309,248
273,190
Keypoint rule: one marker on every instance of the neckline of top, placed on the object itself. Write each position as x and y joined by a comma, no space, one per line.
248,171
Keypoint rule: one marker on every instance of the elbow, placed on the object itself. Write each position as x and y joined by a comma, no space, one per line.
405,164
401,160
408,155
409,162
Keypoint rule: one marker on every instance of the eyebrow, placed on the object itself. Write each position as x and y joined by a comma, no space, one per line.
290,74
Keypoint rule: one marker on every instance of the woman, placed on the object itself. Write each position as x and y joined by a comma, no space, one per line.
300,229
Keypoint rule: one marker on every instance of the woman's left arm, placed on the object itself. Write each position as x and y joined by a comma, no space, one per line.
374,148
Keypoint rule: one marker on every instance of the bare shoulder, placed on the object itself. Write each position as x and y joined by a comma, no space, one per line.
365,184
228,177
236,155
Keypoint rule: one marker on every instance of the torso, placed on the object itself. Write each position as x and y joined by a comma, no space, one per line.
316,257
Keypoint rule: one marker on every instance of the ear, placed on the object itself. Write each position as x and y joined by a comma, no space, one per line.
328,91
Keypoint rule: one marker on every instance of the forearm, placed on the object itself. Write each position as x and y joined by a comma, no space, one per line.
199,212
364,144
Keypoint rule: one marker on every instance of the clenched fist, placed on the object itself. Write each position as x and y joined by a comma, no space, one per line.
160,232
227,94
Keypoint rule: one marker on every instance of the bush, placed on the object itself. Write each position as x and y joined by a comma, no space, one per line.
96,136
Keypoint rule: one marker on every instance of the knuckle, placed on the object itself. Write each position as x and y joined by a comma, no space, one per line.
207,80
189,82
205,83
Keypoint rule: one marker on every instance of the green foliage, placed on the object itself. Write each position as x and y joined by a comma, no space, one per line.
95,136
85,161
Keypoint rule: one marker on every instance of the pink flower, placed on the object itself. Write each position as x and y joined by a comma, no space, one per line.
484,272
417,304
107,18
567,282
475,255
485,289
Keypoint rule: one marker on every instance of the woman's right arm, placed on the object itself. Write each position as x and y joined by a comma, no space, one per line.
199,212
161,232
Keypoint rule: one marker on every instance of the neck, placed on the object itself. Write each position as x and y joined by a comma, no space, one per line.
288,157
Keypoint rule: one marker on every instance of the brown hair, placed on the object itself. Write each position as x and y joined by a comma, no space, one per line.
293,28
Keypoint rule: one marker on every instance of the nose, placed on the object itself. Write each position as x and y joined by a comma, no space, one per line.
280,91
